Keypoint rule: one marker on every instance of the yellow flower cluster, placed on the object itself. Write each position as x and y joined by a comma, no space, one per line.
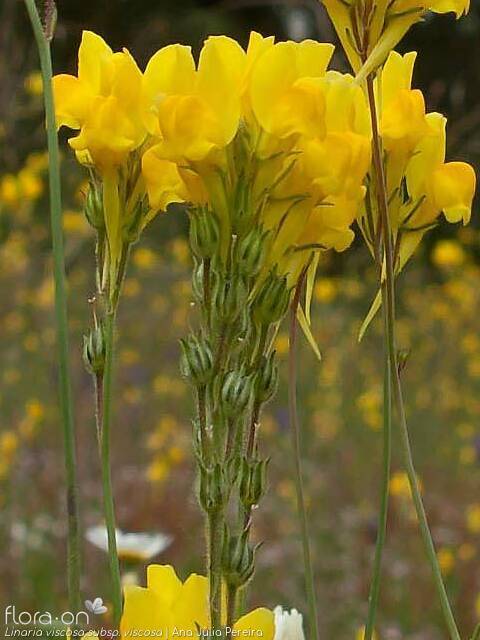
265,136
24,186
420,184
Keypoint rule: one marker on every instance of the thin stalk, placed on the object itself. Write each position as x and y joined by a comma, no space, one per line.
66,402
215,536
383,514
389,302
295,431
104,404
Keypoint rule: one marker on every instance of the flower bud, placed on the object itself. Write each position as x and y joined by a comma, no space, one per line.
94,208
249,252
253,481
238,558
204,233
94,350
196,362
214,488
236,392
229,298
266,380
271,303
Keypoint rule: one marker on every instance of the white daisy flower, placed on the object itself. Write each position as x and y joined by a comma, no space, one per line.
288,624
130,546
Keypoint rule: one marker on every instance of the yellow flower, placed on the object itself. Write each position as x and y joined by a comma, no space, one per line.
448,253
167,604
34,83
284,99
194,112
446,560
103,101
473,518
8,445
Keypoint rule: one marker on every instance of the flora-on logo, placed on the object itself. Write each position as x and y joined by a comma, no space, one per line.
96,606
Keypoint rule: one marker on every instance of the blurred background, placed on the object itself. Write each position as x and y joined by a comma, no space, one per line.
340,397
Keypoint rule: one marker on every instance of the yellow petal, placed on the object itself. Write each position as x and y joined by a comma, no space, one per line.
429,154
459,7
143,613
221,69
192,606
396,75
73,100
283,93
260,622
451,188
163,181
164,582
170,71
93,53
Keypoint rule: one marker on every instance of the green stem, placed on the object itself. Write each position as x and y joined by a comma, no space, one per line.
215,538
389,302
383,514
295,431
105,404
66,402
231,605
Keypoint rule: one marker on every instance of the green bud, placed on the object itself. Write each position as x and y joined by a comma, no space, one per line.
196,362
272,300
266,381
238,558
94,350
214,487
204,233
229,298
236,392
94,208
253,481
249,252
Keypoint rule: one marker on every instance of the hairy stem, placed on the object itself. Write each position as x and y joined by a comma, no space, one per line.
295,431
104,411
389,302
66,402
383,514
231,605
215,538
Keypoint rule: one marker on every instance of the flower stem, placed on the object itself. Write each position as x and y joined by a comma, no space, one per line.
104,405
389,302
295,431
66,402
215,536
232,593
383,514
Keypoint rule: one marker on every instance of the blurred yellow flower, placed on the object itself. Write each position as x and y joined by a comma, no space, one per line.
325,290
144,258
34,83
446,560
448,253
473,518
